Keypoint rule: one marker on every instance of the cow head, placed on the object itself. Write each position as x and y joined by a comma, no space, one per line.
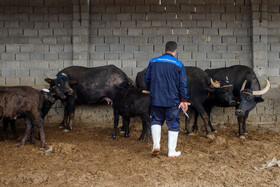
61,86
48,96
224,94
249,98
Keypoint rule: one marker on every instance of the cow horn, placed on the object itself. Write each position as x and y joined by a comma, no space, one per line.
215,84
263,91
145,92
243,85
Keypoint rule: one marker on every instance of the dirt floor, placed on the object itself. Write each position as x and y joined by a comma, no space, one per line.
88,157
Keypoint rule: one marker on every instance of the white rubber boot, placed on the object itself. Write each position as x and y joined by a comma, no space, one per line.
172,144
156,134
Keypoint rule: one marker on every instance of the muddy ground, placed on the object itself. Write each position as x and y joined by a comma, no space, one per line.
88,157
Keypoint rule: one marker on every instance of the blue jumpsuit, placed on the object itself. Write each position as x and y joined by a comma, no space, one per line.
166,80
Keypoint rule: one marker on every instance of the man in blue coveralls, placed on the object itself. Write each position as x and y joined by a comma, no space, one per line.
166,80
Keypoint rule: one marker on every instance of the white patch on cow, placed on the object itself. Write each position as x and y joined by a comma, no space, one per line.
46,90
114,80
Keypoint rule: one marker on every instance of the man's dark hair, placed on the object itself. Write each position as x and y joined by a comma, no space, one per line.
170,46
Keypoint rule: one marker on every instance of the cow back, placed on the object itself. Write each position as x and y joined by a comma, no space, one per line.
95,83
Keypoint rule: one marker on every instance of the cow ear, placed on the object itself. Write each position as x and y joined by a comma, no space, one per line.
72,82
50,81
259,99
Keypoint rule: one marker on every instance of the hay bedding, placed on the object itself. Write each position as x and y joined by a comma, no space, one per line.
88,157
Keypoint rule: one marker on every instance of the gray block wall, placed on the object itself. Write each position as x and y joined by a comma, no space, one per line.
209,33
36,40
39,38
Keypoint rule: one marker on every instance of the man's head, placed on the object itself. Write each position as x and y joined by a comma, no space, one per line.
171,47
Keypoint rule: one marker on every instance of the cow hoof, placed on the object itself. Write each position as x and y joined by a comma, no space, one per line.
66,130
242,137
61,126
113,137
210,136
19,145
126,136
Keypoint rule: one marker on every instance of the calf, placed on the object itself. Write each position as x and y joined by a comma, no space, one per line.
48,100
28,103
128,102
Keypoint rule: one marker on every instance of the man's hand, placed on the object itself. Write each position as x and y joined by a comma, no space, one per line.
184,106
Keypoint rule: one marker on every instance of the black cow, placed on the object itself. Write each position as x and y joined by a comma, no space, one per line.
246,89
199,84
223,97
82,85
27,102
131,102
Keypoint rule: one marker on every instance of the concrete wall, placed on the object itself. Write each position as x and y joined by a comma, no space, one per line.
40,37
209,33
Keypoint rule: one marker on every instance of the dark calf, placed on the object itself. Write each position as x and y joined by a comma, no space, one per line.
129,102
28,103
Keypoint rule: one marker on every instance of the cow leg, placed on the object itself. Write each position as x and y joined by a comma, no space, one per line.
122,128
200,108
14,129
244,124
70,121
64,121
187,121
195,126
5,128
70,107
126,121
116,123
40,124
28,127
208,110
240,120
143,131
205,119
145,127
148,130
32,138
